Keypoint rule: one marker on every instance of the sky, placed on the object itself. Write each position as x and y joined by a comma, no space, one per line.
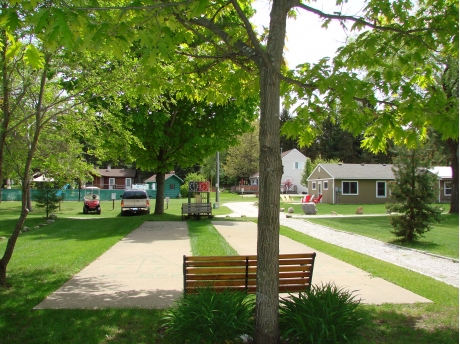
306,41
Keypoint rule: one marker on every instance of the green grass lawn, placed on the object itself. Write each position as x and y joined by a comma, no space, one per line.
442,239
47,257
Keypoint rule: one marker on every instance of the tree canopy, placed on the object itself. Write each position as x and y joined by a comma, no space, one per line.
183,133
209,50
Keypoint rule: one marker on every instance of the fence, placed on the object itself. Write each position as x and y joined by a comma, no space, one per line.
67,195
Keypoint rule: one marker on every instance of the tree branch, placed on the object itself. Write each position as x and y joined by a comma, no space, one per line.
359,20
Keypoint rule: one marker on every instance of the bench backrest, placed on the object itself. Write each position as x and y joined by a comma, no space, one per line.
196,206
240,272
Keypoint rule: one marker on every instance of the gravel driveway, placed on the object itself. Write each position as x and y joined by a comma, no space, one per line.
440,268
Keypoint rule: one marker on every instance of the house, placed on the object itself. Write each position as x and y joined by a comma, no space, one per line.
293,165
444,174
351,183
114,178
172,185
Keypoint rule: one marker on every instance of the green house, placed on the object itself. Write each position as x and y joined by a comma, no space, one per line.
172,185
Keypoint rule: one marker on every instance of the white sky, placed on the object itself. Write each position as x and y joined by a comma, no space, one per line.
306,41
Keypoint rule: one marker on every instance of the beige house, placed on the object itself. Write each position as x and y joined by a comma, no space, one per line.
444,174
351,183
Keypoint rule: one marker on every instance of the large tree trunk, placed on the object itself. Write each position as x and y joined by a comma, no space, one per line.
160,199
453,148
271,170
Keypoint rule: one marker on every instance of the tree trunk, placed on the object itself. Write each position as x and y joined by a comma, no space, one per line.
453,148
271,170
39,121
6,116
14,237
160,199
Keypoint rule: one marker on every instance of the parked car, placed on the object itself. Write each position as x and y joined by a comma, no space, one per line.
92,200
135,201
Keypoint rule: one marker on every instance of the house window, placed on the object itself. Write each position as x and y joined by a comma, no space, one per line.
349,188
298,165
172,186
447,189
153,186
381,189
325,185
313,185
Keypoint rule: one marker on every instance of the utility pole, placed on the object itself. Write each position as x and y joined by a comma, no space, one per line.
217,179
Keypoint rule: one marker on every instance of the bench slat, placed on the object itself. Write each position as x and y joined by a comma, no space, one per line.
240,272
198,209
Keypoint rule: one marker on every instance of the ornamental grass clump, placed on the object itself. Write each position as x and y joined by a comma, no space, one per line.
325,314
210,317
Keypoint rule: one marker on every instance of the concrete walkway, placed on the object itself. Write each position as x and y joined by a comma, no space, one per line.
242,236
144,270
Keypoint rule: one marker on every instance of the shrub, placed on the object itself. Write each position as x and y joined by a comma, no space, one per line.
325,314
210,317
191,177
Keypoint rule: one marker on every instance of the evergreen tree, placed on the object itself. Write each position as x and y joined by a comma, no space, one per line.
286,143
413,192
47,199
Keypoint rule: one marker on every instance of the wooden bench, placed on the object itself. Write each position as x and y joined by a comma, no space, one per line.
196,209
239,272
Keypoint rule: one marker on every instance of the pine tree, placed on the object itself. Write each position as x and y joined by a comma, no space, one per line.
413,193
47,198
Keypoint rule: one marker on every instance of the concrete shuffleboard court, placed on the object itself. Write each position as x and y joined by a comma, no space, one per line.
242,236
143,270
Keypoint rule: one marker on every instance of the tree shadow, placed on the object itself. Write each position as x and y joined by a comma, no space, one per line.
390,326
418,245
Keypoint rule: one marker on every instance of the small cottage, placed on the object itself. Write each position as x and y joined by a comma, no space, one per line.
172,185
351,183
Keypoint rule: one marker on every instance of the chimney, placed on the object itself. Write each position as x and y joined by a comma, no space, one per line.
109,167
172,172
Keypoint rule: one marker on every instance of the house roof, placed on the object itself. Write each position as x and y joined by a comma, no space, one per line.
443,172
359,171
117,172
153,179
283,154
255,175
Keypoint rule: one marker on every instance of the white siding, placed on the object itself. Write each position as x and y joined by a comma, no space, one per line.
293,164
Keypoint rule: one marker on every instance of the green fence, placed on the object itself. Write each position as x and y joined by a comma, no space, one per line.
67,195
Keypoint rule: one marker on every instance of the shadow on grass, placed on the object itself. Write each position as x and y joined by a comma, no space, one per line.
20,323
89,229
390,326
418,245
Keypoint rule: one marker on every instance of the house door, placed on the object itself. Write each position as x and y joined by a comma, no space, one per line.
111,183
320,188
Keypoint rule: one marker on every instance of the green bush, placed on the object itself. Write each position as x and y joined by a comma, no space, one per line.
325,314
210,317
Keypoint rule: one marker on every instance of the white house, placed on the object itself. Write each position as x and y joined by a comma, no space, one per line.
293,165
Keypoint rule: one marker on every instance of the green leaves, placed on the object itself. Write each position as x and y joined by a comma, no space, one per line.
34,57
